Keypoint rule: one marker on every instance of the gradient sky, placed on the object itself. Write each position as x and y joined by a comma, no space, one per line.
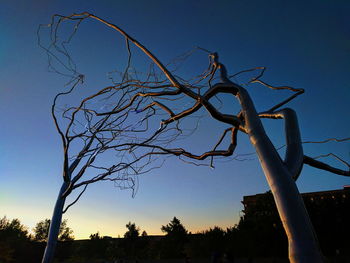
304,44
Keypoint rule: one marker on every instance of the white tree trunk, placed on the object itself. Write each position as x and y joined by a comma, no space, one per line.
55,226
303,245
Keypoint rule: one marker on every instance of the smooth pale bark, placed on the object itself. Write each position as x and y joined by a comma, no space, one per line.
294,158
303,245
55,226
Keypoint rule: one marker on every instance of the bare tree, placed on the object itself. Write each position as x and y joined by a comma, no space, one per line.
100,147
107,127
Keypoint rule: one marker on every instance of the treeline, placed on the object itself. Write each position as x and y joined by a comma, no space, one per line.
17,245
259,234
245,240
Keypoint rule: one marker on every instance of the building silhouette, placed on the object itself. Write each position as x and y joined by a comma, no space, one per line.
329,212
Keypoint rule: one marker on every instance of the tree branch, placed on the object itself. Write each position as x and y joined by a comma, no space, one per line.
76,200
320,165
293,159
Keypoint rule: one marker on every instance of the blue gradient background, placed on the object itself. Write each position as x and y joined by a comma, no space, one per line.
304,44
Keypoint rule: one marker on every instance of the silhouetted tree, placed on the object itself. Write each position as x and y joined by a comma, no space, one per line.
13,235
15,242
13,229
175,239
41,231
216,239
132,242
97,246
232,242
144,246
65,235
133,231
206,243
175,229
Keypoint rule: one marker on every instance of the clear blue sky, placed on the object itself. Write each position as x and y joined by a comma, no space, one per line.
304,44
